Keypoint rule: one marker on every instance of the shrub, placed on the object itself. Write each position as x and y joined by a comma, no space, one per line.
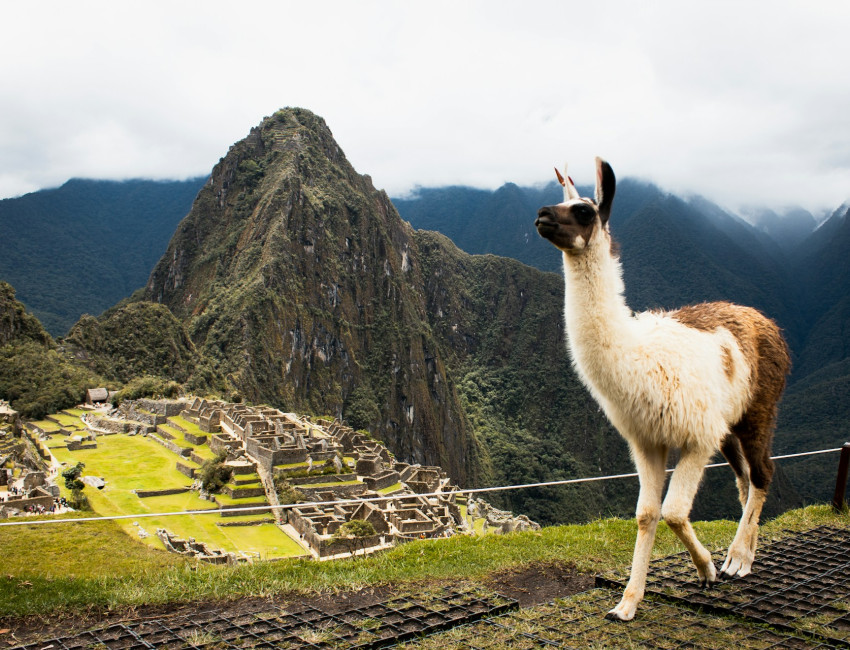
353,534
287,494
215,474
147,386
78,500
72,477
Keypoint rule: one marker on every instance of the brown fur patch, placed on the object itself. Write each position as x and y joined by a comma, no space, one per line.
767,355
728,362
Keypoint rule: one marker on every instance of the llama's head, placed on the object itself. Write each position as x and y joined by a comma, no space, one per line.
575,223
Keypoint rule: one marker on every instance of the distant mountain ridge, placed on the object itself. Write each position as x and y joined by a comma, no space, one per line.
84,246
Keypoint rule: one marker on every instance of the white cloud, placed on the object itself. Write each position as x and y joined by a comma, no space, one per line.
743,102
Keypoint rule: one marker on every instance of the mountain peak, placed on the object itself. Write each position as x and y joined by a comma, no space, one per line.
304,286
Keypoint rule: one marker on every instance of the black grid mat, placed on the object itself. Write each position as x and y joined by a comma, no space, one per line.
799,583
376,626
579,622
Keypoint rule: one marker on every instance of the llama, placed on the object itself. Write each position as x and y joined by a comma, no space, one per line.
700,378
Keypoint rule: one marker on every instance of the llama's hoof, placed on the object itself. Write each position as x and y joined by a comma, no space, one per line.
707,575
736,566
621,613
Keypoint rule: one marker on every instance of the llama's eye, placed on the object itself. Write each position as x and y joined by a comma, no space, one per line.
584,214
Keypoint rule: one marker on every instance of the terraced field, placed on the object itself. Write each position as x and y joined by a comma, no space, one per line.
131,464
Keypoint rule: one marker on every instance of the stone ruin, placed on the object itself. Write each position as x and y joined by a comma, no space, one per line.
502,521
31,485
198,550
331,466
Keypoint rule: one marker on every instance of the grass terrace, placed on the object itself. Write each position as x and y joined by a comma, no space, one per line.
130,463
77,412
390,489
48,426
67,421
187,425
204,452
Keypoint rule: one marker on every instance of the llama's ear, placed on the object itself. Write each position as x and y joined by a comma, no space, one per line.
606,184
570,191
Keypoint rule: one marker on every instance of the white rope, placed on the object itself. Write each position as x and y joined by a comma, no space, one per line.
255,509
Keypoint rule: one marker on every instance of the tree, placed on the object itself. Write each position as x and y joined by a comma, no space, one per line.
215,474
73,483
361,411
353,534
72,477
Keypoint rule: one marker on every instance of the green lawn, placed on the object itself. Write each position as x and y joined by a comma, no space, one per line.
245,478
205,452
173,431
391,488
292,466
137,462
77,412
225,500
329,484
188,426
245,486
47,426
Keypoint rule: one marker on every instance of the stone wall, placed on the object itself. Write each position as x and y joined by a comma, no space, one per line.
76,445
381,481
142,494
166,407
106,423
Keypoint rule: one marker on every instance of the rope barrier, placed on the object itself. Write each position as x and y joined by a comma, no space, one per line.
257,509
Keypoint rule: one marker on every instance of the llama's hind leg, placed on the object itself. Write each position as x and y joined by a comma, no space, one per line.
731,450
742,551
677,509
650,462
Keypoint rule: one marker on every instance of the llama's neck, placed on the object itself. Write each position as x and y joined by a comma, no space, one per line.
599,324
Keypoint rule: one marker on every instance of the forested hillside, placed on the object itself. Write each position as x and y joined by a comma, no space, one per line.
84,246
34,375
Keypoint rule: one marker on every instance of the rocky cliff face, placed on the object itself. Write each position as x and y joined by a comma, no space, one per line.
305,286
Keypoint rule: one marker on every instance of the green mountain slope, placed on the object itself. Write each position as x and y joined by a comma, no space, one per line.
35,377
84,246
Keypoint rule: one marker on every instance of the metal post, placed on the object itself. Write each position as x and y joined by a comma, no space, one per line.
841,480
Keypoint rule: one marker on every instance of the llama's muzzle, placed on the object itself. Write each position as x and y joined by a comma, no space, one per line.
546,222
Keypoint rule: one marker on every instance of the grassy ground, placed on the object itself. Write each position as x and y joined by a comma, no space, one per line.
68,421
47,425
138,463
72,566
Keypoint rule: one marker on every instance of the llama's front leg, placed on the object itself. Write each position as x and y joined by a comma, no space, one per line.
650,464
677,509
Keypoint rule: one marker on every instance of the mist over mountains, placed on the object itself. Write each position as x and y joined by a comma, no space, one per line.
293,281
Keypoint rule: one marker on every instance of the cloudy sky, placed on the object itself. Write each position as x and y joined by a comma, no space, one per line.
744,102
